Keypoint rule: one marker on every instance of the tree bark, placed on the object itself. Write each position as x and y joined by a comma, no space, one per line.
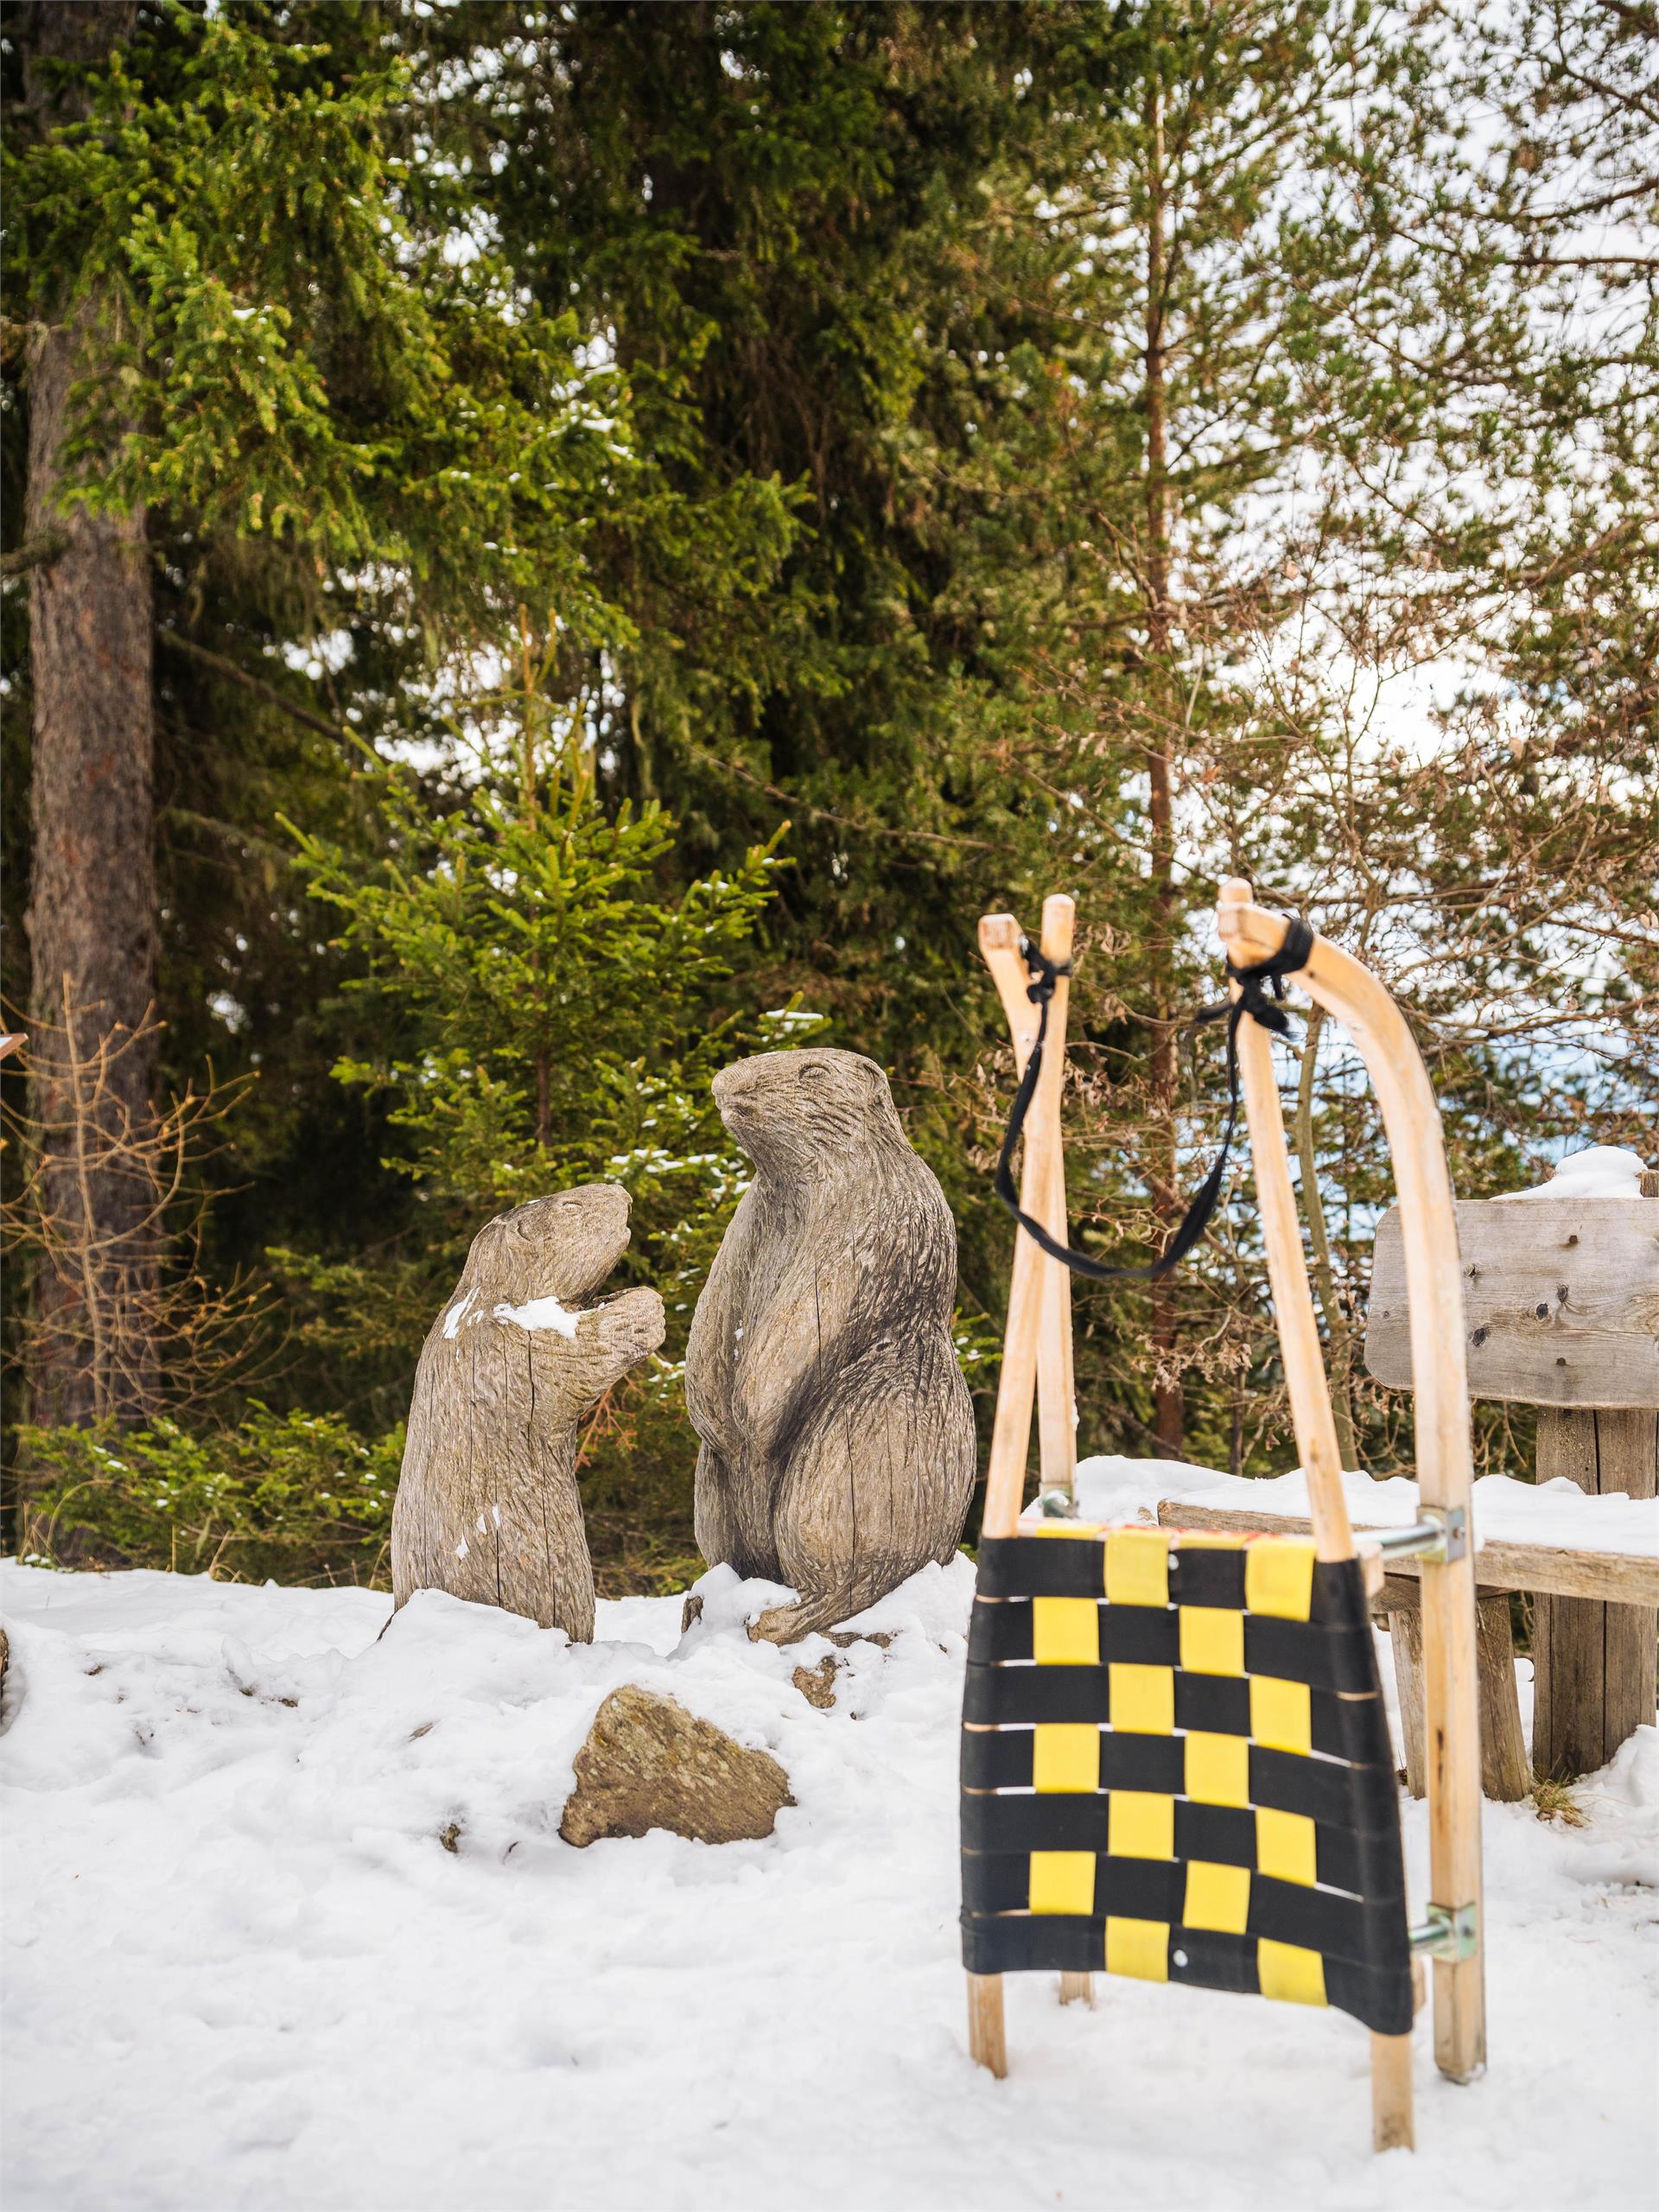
1169,1399
92,912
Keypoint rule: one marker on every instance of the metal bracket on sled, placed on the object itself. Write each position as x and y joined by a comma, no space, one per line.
1441,1535
1452,1931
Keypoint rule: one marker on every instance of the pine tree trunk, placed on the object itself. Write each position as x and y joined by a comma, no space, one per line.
1169,1399
92,913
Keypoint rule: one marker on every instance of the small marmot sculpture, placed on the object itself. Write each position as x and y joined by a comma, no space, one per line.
837,1433
487,1506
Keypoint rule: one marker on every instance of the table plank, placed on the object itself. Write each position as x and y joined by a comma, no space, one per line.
1560,1301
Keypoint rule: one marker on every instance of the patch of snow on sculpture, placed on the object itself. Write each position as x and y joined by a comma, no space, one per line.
540,1314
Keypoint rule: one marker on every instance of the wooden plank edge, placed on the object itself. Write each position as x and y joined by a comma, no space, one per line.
1612,1578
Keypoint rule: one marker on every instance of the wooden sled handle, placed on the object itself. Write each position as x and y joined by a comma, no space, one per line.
1392,2122
1411,1122
1037,1341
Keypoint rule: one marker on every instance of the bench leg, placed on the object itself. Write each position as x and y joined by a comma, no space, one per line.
1592,1665
1504,1775
1406,1643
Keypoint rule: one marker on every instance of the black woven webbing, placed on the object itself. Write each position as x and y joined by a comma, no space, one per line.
1254,984
1344,1901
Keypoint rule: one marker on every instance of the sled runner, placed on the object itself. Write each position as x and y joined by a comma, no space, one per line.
1175,1760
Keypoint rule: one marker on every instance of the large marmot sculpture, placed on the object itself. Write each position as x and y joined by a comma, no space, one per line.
838,1435
487,1506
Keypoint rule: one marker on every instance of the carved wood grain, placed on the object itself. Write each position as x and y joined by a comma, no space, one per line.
487,1506
836,1430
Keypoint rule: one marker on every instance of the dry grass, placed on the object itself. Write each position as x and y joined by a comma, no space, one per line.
1553,1801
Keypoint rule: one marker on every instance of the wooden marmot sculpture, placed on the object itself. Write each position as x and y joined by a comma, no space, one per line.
487,1506
838,1435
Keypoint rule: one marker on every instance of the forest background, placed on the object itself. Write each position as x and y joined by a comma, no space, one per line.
549,546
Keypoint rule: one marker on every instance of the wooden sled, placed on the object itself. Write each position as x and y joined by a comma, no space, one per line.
1193,1781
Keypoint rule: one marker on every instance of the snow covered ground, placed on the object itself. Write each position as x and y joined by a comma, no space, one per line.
245,1970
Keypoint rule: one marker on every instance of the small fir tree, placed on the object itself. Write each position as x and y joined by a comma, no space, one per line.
552,1017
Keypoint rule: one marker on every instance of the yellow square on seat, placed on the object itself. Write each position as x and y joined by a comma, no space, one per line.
1063,1881
1139,1824
1287,1846
1212,1640
1216,1896
1065,1755
1065,1632
1140,1948
1279,1576
1217,1769
1288,1971
1137,1566
1281,1713
1143,1699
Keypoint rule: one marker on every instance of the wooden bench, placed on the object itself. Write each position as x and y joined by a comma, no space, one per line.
1561,1300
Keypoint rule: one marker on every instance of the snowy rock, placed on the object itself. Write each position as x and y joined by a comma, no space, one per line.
723,1599
649,1763
817,1684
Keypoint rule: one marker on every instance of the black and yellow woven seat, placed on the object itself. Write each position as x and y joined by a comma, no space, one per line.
1175,1765
1175,1760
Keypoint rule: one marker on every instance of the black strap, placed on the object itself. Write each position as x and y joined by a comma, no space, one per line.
1254,984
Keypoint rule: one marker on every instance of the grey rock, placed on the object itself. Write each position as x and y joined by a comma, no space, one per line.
649,1763
817,1684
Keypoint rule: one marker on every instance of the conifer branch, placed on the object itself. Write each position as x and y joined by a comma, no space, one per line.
234,673
34,552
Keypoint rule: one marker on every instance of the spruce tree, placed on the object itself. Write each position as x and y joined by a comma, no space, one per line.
279,394
1011,446
763,210
92,910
